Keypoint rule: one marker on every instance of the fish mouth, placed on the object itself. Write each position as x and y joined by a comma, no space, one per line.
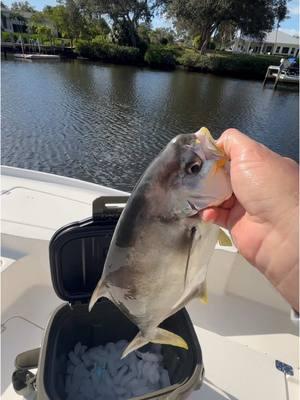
197,204
194,210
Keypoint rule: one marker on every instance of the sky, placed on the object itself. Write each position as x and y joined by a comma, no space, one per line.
290,25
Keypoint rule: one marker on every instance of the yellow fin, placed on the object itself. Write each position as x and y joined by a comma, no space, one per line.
205,132
203,295
217,150
160,336
224,239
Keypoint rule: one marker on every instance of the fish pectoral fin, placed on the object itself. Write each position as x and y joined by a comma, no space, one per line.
203,296
224,239
160,336
100,291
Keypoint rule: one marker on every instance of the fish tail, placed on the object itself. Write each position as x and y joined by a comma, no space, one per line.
100,291
160,336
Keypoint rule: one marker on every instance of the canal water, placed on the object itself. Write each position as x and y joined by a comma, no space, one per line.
105,123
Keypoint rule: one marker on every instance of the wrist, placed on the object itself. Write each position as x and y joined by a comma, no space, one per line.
280,257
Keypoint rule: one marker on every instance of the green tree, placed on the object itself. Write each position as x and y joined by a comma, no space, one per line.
65,18
124,16
204,17
225,34
22,6
68,20
45,33
281,12
162,36
94,27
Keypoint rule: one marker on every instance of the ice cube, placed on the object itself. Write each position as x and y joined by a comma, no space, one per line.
73,358
127,378
150,357
140,390
83,349
120,391
87,361
113,366
86,388
164,378
80,372
153,374
110,347
121,344
70,368
146,368
77,348
102,375
117,378
140,366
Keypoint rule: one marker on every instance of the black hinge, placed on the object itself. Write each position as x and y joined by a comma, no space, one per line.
108,204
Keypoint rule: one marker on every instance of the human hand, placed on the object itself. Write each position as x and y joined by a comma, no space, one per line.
263,214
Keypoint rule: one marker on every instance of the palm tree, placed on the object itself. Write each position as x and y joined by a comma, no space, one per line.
280,14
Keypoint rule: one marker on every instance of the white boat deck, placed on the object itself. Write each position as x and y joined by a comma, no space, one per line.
37,56
242,331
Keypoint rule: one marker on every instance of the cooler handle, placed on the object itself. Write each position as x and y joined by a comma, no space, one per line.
28,359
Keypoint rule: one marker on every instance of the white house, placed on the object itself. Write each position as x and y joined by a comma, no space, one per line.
275,42
11,23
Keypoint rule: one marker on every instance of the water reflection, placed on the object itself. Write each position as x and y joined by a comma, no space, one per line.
104,123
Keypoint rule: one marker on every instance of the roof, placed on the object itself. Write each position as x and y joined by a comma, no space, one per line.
282,37
8,12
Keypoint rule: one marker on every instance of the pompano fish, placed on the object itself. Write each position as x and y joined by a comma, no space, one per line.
158,257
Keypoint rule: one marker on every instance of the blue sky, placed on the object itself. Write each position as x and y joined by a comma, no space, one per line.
290,25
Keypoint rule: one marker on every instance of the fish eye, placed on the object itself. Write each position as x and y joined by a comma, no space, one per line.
193,168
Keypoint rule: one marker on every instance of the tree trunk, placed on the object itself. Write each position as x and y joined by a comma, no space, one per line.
132,32
204,40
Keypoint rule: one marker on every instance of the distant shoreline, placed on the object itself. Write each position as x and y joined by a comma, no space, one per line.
168,58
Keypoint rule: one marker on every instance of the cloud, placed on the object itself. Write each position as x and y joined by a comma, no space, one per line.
290,31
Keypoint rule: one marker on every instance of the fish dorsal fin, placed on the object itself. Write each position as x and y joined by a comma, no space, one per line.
224,239
192,238
203,293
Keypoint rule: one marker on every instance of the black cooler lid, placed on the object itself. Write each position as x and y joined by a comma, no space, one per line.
78,250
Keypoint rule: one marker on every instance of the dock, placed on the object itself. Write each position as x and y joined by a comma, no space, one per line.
283,73
29,49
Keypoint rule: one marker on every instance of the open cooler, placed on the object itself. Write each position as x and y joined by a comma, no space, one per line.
77,254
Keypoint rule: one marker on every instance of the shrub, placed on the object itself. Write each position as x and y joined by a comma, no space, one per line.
189,59
84,48
193,60
159,56
5,37
164,41
108,52
243,66
196,41
99,39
